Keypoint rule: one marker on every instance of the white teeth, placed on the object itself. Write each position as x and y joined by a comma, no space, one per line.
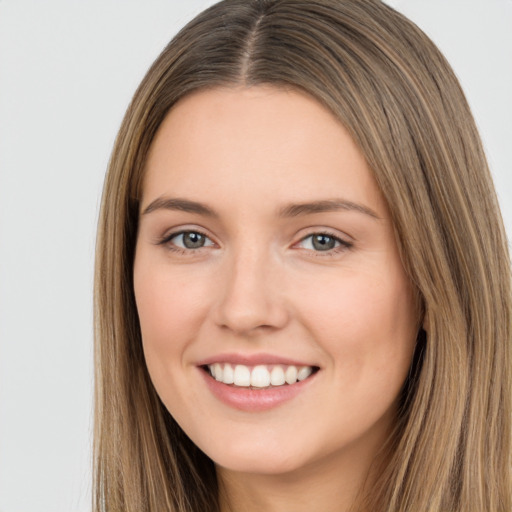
229,375
291,375
304,372
277,376
242,376
259,376
217,372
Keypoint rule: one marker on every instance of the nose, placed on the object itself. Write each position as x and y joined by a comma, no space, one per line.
252,297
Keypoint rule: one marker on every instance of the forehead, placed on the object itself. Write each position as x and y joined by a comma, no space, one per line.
264,142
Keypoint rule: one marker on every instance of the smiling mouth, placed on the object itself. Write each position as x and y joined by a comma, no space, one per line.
259,376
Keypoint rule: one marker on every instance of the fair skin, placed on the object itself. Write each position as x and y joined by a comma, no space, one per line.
265,241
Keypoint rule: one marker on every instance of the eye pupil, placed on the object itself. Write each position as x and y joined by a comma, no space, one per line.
323,242
193,240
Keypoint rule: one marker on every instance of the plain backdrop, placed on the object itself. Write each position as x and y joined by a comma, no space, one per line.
67,72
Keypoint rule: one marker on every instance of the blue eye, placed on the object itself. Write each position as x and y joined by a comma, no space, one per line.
189,240
322,242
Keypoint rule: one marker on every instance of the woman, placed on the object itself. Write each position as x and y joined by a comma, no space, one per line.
303,287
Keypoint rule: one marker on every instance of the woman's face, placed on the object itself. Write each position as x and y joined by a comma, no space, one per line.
266,254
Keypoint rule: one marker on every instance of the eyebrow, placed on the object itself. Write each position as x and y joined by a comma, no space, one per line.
291,210
329,205
184,205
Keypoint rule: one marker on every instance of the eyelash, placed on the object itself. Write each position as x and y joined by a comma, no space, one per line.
343,245
181,250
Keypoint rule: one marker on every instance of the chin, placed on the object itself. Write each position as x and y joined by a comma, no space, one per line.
256,458
258,464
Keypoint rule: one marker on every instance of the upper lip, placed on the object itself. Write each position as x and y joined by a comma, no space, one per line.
251,360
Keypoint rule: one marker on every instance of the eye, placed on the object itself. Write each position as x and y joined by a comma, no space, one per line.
322,242
188,240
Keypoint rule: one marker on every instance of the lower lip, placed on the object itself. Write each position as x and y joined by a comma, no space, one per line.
255,400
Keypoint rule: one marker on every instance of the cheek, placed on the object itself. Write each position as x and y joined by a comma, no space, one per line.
367,324
170,306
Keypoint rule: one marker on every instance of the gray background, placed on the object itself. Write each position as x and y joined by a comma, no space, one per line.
67,72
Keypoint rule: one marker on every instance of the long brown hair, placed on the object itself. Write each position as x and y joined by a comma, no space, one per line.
398,97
